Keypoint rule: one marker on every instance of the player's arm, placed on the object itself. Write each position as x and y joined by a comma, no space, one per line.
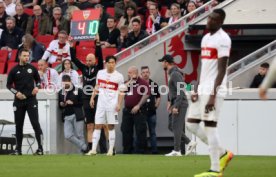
10,82
95,92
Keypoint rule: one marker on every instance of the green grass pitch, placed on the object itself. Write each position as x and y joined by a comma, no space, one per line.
129,166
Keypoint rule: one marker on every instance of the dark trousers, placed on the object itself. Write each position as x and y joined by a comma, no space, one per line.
20,108
129,122
177,126
151,120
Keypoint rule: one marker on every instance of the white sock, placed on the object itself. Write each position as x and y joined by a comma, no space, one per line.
111,138
196,129
95,139
214,147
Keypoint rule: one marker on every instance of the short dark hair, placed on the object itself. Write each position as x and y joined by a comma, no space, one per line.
265,65
136,20
66,78
144,67
23,50
113,18
221,13
109,57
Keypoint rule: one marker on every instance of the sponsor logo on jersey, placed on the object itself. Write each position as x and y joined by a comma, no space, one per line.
209,53
107,84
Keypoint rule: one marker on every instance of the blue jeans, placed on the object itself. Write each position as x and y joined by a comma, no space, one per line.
151,121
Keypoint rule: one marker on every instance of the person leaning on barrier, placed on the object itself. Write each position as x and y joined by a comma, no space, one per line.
24,82
70,102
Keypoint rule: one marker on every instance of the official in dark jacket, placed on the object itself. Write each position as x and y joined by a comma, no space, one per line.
24,82
70,102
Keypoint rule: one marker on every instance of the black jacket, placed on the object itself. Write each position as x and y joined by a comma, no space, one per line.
13,39
22,21
132,39
88,73
23,78
3,21
151,101
75,95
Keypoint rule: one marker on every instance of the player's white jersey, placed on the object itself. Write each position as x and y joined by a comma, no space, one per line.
108,86
213,47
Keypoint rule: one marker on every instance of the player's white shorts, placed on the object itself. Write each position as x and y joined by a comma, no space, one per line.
196,110
106,117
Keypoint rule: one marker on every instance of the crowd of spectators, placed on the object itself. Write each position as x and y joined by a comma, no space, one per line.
21,22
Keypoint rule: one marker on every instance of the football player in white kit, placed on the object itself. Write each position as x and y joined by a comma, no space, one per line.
110,88
208,96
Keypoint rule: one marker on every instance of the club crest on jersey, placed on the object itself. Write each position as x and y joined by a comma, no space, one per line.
86,14
30,71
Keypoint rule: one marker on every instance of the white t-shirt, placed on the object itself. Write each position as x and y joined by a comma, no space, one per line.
213,47
108,86
50,77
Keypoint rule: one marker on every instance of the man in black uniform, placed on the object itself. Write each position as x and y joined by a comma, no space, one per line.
23,82
89,73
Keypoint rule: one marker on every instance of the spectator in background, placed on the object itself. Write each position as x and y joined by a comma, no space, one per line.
109,35
58,23
107,3
58,49
154,20
64,6
11,36
133,113
30,3
120,8
129,15
191,7
145,9
36,49
70,101
48,6
67,69
21,18
69,12
103,17
150,106
183,6
121,40
3,15
258,79
84,4
48,76
269,80
137,34
175,13
38,23
10,7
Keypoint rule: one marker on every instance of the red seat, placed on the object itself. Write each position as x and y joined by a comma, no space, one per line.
10,66
163,11
28,11
13,55
2,67
82,52
55,64
110,11
45,39
87,44
109,51
4,56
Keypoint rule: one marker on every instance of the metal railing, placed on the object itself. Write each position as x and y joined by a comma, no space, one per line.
169,31
251,60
